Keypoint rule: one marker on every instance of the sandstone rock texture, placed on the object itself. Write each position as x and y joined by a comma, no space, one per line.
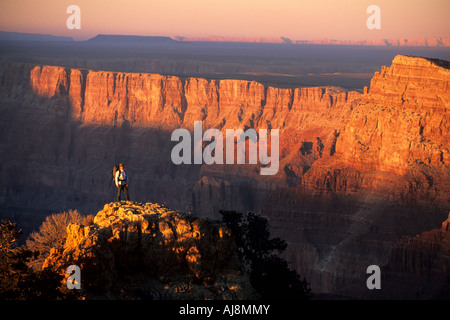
396,139
426,254
423,263
148,251
357,172
388,178
75,124
110,99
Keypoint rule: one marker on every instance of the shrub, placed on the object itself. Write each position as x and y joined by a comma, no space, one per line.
52,234
17,280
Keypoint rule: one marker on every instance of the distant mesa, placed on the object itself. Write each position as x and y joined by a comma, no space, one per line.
281,40
126,39
18,36
411,42
437,41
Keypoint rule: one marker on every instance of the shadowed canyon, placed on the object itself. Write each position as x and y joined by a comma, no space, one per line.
360,175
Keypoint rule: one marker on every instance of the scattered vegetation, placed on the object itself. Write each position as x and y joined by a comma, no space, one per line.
21,274
17,279
52,234
270,275
22,277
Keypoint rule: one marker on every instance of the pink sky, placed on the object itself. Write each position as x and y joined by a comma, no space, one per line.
296,19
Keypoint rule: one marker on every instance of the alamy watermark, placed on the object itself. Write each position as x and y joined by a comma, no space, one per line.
374,281
74,279
374,20
213,153
74,20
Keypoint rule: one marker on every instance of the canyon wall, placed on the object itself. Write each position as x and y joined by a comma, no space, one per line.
389,178
422,262
67,127
399,132
108,99
357,171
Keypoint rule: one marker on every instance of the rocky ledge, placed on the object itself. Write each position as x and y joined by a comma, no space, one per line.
418,267
148,251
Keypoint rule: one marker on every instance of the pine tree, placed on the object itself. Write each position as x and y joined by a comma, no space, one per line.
270,275
17,280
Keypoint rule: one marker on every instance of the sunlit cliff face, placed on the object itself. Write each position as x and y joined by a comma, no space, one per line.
139,100
397,134
109,98
399,127
403,121
366,160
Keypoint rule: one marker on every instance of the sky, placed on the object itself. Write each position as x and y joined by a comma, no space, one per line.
295,19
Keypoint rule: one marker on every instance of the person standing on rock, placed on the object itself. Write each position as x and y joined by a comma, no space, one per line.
121,180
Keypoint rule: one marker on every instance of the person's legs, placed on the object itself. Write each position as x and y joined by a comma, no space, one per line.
125,191
118,193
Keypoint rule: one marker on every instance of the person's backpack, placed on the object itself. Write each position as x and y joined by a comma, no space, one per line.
114,170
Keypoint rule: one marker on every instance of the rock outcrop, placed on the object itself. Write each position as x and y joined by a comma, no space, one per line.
425,255
396,140
422,263
389,178
148,251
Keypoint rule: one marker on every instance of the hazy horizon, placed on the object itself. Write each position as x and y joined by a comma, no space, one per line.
297,20
222,38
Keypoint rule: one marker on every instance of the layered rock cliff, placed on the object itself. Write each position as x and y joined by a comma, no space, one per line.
110,98
93,119
399,133
357,171
389,177
148,251
422,263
